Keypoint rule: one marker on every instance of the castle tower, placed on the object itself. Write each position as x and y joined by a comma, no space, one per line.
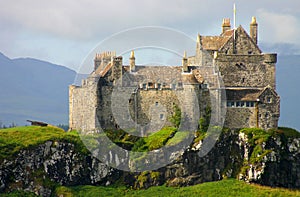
132,62
226,25
97,61
185,63
254,29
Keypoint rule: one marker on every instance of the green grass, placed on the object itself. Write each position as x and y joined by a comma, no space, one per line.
12,140
289,132
159,139
229,187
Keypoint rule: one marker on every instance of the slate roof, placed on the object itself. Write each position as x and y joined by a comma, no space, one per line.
239,94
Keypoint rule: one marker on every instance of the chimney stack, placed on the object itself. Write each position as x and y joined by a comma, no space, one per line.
226,25
254,30
132,62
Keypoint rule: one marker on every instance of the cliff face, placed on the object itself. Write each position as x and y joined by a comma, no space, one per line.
249,156
40,169
272,160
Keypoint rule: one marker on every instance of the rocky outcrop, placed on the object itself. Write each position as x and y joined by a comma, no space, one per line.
39,169
260,158
251,155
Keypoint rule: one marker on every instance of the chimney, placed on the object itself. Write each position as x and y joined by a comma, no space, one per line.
132,62
253,30
184,63
226,25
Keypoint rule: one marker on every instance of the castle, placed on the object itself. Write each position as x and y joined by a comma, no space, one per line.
143,97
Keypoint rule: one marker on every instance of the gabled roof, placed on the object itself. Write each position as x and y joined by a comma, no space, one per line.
102,72
269,88
214,42
239,30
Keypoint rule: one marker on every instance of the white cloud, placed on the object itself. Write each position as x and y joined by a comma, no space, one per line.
279,27
61,26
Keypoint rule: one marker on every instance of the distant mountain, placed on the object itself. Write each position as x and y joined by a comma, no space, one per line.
33,89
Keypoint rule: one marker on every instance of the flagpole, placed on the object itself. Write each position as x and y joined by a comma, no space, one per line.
234,26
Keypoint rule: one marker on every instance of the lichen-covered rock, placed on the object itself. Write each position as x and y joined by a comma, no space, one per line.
39,169
258,158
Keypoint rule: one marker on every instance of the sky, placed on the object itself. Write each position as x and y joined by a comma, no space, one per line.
64,32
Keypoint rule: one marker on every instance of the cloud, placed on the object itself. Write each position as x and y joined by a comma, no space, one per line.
279,27
65,28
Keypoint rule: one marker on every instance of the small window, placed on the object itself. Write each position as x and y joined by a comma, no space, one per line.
238,104
156,103
144,86
159,86
247,104
161,116
232,103
242,104
228,104
269,99
267,115
252,104
173,86
180,85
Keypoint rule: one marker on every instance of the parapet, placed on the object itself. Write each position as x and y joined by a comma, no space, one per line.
270,58
105,54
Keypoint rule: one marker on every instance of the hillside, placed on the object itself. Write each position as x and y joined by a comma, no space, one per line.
48,161
33,89
224,188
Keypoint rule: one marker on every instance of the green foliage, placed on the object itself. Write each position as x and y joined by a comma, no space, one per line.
289,132
18,193
155,140
12,140
256,136
160,138
176,117
177,138
205,119
224,188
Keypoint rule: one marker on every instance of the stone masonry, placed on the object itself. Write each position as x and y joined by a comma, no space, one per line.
229,71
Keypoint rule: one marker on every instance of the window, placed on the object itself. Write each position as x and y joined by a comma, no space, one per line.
180,85
228,104
247,104
242,104
238,104
159,86
161,116
173,86
252,104
203,86
156,103
144,86
269,99
267,115
232,104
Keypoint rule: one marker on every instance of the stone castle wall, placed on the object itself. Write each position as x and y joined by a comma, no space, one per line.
246,70
83,104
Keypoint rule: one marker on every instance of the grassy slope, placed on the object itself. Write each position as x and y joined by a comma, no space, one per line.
12,140
229,187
